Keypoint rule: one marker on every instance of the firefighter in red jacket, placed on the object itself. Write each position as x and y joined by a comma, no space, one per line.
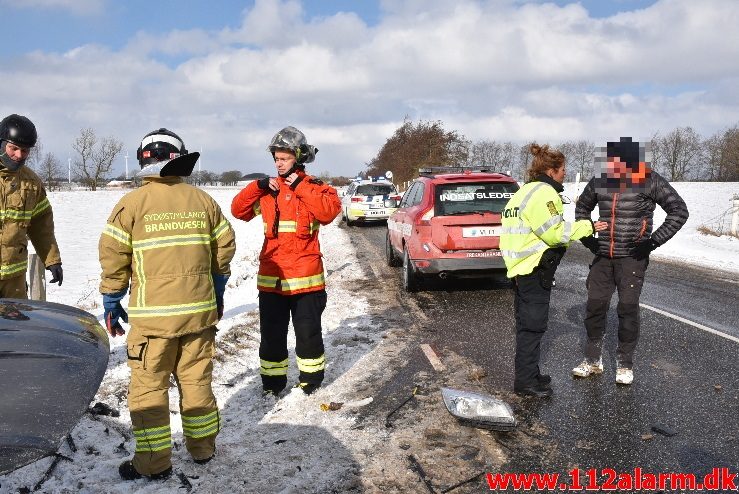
290,281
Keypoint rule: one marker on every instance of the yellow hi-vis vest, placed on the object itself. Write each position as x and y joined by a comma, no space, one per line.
532,223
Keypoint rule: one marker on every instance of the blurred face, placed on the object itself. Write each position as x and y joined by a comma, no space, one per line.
16,153
284,160
616,167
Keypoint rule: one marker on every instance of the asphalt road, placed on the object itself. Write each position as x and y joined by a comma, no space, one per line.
686,379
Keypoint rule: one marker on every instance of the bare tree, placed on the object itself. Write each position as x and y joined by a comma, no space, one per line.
579,156
84,145
499,156
49,171
722,155
677,154
524,161
95,157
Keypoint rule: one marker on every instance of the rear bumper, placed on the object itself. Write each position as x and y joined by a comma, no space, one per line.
472,267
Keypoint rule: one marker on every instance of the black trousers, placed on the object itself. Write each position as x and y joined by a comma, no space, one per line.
531,305
275,311
626,275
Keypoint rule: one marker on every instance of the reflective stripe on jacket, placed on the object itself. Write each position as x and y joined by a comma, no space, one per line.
25,214
290,261
532,223
166,237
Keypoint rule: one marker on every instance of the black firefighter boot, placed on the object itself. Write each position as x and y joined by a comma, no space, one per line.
129,472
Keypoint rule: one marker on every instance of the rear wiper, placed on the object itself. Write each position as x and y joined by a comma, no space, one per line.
455,213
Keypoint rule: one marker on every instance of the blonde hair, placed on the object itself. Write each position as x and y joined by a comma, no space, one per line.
544,159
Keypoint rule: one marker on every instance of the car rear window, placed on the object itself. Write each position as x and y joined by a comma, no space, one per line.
375,190
476,197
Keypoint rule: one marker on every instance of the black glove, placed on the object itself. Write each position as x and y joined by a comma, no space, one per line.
642,249
591,243
57,273
263,183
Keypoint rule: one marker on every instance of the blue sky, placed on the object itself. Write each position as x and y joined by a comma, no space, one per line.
227,75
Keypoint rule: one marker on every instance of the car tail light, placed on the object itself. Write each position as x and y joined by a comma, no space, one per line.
425,217
357,199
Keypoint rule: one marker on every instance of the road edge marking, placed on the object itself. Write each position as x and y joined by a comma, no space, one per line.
691,323
434,359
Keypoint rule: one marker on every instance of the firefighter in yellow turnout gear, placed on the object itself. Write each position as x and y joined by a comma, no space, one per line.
172,243
25,211
535,236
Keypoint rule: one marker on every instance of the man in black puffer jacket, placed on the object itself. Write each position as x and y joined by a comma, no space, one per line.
626,192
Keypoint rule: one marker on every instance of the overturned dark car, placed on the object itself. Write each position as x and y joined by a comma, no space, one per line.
52,360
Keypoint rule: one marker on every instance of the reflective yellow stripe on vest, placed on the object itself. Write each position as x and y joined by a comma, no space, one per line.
15,214
171,310
153,439
219,230
291,226
11,269
41,207
311,364
171,241
118,234
201,425
291,284
267,368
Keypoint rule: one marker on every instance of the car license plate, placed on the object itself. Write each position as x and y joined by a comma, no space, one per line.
375,212
481,231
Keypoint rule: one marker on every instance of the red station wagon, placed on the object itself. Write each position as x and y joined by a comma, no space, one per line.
448,225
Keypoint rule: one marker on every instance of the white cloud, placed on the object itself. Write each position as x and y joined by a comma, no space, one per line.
487,69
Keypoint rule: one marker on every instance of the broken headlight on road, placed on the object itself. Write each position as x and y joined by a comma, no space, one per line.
479,410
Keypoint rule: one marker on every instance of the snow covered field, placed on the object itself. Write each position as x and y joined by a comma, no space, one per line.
267,446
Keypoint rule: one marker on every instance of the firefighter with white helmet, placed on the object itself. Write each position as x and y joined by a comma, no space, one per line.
291,283
169,243
26,211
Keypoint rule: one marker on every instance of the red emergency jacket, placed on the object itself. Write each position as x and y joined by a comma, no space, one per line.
290,261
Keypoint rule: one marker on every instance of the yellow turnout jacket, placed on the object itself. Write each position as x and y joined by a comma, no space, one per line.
26,213
166,237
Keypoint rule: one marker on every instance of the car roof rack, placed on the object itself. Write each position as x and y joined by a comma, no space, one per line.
437,170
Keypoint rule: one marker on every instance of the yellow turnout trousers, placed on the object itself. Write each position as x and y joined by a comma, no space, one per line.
152,360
